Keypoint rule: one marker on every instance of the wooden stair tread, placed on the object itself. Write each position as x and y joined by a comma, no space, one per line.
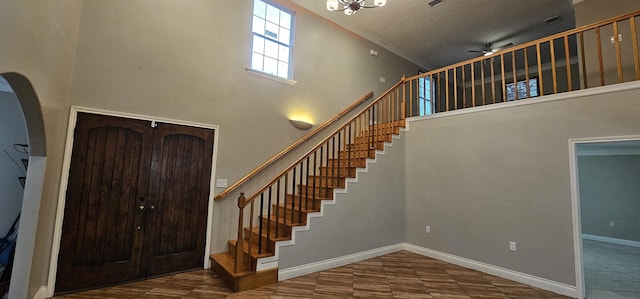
228,262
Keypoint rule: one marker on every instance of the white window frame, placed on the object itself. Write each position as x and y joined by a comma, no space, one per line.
281,48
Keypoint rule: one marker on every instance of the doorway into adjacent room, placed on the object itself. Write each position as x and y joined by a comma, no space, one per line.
607,186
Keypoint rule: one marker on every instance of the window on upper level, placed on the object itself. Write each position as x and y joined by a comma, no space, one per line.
272,39
425,96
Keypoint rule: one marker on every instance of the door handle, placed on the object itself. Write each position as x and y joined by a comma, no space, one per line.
152,207
141,208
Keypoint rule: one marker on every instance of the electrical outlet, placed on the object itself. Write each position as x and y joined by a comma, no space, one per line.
611,223
383,80
428,229
512,246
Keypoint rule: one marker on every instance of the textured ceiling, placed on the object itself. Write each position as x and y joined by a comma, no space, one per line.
440,36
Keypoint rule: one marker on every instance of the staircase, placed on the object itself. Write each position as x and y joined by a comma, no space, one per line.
313,185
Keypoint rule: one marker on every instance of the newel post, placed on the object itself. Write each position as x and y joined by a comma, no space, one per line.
239,242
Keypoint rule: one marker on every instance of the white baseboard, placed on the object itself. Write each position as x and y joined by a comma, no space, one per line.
41,293
611,240
336,262
531,280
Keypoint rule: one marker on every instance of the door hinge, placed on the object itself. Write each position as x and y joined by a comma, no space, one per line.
154,124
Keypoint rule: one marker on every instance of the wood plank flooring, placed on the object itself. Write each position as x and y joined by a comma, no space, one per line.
397,275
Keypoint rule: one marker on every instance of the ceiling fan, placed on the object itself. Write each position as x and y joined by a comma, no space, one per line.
488,49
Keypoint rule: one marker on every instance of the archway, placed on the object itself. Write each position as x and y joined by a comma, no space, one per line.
25,246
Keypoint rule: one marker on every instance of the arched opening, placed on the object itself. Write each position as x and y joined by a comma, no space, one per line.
33,183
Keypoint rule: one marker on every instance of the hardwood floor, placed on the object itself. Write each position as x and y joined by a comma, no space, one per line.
397,275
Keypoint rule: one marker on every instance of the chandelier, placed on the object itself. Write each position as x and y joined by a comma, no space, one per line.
351,6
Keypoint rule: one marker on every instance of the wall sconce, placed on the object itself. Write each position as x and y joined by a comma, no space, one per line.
300,124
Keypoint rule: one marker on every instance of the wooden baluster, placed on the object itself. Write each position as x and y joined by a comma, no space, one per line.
313,196
333,162
455,89
269,207
249,264
347,143
552,49
515,74
438,91
306,186
464,88
504,82
315,177
541,85
600,63
240,241
321,163
260,220
473,85
584,62
568,62
493,81
618,55
446,82
432,94
526,71
411,98
634,40
284,210
482,81
293,194
278,194
404,96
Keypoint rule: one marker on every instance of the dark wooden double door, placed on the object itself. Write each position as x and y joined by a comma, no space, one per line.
136,201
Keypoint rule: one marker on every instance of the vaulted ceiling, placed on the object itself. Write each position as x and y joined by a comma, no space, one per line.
438,36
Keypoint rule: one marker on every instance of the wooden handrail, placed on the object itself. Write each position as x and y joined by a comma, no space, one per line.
531,43
293,165
279,155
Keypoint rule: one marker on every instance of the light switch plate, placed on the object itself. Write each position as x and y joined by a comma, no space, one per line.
221,183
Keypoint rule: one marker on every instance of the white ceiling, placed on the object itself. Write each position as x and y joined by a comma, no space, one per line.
440,36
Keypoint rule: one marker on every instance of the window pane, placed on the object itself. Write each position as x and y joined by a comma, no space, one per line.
283,55
259,8
258,44
271,30
256,61
285,20
273,14
258,25
283,69
270,66
271,49
284,36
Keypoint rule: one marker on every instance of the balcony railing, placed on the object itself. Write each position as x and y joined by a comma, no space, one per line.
600,54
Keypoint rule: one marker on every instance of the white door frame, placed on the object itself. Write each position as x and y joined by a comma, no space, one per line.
575,202
64,180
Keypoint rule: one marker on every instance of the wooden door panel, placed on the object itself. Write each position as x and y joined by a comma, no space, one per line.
117,166
179,189
100,242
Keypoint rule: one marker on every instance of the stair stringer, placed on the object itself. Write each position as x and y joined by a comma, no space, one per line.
271,262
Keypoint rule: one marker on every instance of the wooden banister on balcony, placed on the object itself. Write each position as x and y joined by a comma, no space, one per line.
279,155
576,59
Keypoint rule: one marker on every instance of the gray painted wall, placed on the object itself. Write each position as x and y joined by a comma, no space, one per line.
610,191
12,131
486,178
186,60
370,216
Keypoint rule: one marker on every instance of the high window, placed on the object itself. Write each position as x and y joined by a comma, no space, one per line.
425,96
272,39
